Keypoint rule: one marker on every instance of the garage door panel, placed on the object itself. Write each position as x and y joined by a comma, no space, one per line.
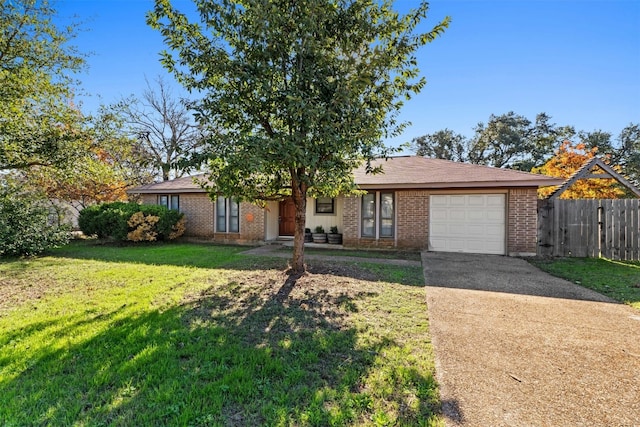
457,215
476,230
473,223
495,216
438,214
477,215
496,200
476,201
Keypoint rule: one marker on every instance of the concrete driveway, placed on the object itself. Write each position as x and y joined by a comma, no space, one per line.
517,347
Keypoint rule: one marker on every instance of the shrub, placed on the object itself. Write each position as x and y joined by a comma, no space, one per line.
144,227
26,226
131,221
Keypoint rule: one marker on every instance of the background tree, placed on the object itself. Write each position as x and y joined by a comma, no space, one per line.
305,91
624,151
167,132
508,140
38,123
566,161
511,140
443,144
106,164
628,153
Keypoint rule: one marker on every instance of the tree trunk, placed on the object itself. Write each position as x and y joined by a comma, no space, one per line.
166,168
299,195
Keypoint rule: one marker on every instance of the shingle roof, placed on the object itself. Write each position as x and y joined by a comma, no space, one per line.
403,172
185,184
422,172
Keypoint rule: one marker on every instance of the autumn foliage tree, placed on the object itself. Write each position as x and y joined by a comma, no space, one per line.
566,161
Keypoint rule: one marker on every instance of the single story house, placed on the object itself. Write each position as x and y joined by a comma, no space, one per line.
416,203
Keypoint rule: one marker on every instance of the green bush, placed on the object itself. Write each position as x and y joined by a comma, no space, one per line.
112,220
26,224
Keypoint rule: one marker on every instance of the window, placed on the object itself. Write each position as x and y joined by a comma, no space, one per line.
227,215
325,205
377,215
169,201
369,215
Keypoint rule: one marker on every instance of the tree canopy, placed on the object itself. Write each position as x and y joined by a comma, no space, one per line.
508,140
39,125
303,92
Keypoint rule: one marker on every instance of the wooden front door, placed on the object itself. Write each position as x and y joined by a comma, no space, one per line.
287,218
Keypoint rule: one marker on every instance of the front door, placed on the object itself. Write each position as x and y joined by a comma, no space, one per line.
287,218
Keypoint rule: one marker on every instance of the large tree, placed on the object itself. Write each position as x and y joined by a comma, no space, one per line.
166,130
511,140
38,123
443,144
304,91
508,140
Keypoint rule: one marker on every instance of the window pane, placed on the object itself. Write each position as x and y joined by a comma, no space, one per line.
386,205
175,203
221,214
368,215
386,215
368,206
163,201
234,216
386,228
324,205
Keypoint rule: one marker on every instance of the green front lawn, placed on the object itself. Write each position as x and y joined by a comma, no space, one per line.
201,335
619,280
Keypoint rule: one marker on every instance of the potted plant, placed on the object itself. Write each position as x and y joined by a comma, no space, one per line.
319,236
307,235
334,237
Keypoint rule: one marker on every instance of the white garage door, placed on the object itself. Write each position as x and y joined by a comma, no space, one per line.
472,223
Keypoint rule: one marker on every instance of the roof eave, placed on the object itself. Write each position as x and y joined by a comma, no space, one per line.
165,191
440,185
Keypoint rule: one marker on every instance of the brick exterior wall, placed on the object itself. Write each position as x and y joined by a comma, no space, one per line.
199,212
412,222
522,222
350,221
412,219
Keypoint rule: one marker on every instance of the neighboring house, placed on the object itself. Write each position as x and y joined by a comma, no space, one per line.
416,203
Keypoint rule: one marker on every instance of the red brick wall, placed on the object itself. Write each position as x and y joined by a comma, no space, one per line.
199,212
412,222
522,222
412,219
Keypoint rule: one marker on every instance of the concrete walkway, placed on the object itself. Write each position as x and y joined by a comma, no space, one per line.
517,347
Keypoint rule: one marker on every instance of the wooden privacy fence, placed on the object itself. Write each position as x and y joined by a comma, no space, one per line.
589,228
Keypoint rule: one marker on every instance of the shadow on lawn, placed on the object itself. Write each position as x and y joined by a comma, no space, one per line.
212,256
234,355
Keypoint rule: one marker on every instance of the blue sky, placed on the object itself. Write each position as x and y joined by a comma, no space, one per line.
576,60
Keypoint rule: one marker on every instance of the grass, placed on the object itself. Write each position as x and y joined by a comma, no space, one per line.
203,335
619,280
